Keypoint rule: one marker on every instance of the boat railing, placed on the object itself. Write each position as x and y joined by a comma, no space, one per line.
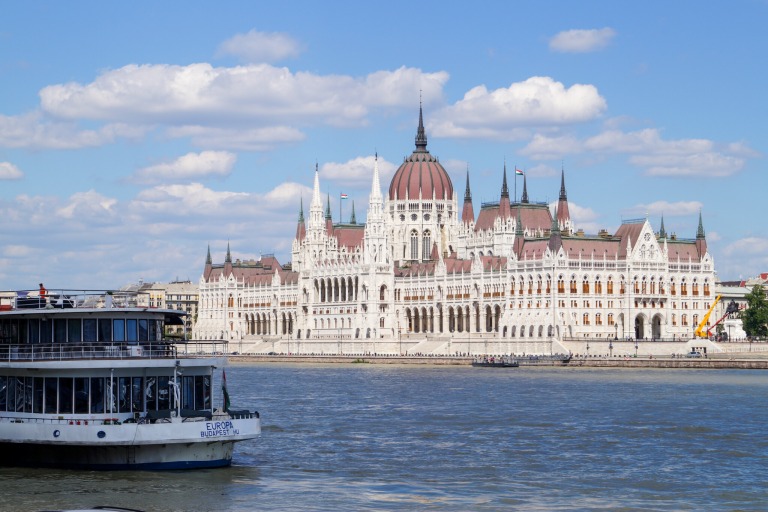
80,351
71,299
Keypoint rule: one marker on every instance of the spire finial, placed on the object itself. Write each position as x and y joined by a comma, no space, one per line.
467,192
301,210
700,231
504,188
524,198
563,195
421,136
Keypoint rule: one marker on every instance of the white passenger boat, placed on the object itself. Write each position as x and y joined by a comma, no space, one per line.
87,381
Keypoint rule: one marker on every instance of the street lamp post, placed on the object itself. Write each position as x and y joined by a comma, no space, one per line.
635,347
610,348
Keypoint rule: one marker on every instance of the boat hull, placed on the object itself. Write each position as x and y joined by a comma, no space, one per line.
142,457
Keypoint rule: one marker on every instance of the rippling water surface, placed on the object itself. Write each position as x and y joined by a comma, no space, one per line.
365,437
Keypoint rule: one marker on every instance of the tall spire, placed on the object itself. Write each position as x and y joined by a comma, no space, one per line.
563,213
504,208
301,229
524,198
563,195
504,188
701,239
467,212
228,258
328,208
316,188
375,184
352,219
208,260
421,136
700,231
328,217
662,231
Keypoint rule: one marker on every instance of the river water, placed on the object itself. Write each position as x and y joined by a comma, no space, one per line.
368,437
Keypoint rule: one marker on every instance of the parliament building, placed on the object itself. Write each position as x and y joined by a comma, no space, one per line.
427,275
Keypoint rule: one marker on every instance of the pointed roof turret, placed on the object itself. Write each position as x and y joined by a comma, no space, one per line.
301,230
421,136
662,231
328,208
504,209
208,260
524,198
563,213
328,217
467,213
701,239
352,219
228,258
375,184
555,237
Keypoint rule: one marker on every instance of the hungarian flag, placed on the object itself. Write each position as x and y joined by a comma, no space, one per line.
344,196
224,390
518,172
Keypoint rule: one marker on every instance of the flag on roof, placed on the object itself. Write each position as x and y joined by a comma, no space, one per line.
344,196
518,172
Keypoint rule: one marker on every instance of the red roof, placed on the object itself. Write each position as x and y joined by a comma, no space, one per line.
421,173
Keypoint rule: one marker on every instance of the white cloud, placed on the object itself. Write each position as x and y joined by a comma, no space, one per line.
8,171
505,113
188,167
257,94
260,46
34,131
251,139
648,150
358,172
666,208
188,199
87,207
750,246
581,41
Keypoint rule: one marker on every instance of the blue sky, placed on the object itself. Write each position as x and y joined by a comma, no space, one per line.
133,135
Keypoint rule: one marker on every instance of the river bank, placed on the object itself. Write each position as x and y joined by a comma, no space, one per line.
729,361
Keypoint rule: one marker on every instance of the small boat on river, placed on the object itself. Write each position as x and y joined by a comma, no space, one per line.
495,362
89,381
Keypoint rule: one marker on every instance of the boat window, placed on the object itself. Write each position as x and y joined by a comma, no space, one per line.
37,404
137,393
51,394
118,329
28,394
23,332
65,395
124,394
132,333
105,329
188,393
97,395
34,330
10,394
82,385
3,392
143,329
46,329
163,393
89,329
59,330
150,393
202,392
154,330
74,330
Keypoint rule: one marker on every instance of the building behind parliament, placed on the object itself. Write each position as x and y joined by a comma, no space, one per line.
426,275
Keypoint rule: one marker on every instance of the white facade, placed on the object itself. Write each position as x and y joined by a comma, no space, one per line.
418,278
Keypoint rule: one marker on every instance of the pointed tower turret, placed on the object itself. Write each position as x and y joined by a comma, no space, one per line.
328,217
301,229
208,263
555,237
524,198
467,212
701,239
228,262
662,231
563,213
504,209
376,246
352,219
421,135
519,236
316,221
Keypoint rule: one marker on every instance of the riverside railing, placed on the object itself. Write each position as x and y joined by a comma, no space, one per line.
85,351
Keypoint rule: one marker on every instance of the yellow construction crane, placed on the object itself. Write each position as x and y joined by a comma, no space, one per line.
701,331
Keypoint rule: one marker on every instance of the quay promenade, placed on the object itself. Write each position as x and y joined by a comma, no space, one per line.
755,361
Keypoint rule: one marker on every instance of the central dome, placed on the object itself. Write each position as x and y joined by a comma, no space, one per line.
421,175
